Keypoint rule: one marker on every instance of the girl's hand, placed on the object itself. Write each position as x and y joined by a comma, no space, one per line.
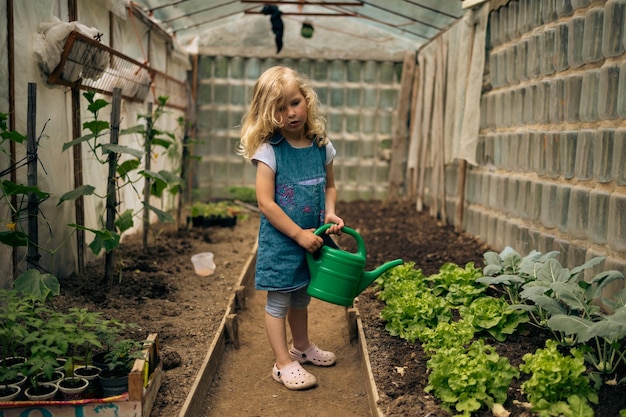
307,239
338,224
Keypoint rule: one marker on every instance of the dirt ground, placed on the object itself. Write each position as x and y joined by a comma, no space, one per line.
159,291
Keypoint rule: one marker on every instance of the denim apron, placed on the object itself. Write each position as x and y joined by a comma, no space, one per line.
300,191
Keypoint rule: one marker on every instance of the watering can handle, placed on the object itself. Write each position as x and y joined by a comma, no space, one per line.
349,231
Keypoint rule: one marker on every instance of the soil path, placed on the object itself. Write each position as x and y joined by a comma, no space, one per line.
244,386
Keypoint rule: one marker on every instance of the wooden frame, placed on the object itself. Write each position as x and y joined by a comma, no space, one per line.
144,381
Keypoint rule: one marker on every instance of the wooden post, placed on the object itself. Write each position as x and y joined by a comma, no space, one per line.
232,330
438,183
184,170
194,122
460,197
147,182
79,206
351,315
32,257
426,131
77,154
112,179
398,147
11,81
240,297
415,111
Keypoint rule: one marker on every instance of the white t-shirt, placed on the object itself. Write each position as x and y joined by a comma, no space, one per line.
265,154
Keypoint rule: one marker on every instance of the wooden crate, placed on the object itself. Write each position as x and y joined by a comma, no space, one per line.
144,381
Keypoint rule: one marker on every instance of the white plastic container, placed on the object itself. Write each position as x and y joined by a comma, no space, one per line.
203,263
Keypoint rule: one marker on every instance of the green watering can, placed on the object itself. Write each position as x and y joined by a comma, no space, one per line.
337,276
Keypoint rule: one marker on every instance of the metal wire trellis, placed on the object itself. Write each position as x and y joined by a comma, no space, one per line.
90,65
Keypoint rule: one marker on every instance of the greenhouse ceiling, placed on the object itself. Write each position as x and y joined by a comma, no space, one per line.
415,21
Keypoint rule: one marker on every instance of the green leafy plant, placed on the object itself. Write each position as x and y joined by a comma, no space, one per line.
162,180
105,238
83,330
558,385
601,335
402,280
456,284
409,315
121,355
574,312
245,194
494,316
15,324
510,271
216,210
446,335
15,197
122,161
468,380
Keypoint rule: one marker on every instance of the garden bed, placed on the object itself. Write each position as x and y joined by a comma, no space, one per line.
159,290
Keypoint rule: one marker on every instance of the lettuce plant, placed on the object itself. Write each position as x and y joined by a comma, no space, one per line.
494,316
457,285
468,380
401,280
407,316
446,335
558,385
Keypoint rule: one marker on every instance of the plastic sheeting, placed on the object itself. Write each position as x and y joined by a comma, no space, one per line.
447,110
48,45
54,122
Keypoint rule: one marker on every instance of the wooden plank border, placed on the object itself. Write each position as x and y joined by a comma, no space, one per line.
372,390
194,402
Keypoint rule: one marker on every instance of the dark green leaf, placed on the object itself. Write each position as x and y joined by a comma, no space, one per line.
13,136
133,129
162,142
96,126
163,216
13,239
103,239
37,284
10,188
127,166
81,139
97,105
77,192
122,150
125,221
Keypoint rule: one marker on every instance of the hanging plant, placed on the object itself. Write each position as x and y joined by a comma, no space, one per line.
307,30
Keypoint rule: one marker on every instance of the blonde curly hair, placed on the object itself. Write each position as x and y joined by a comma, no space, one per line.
259,123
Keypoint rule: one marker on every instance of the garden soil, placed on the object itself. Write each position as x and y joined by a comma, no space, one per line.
157,289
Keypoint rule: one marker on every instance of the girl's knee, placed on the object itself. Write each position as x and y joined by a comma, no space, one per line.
279,303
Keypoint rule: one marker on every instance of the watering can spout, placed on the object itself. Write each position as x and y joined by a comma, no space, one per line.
370,276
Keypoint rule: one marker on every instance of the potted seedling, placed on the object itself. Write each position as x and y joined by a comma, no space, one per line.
42,375
11,382
220,213
81,337
119,360
14,313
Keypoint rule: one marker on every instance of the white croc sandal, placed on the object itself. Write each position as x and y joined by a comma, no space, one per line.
294,376
313,355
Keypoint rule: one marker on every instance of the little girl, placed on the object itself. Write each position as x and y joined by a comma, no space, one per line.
283,134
